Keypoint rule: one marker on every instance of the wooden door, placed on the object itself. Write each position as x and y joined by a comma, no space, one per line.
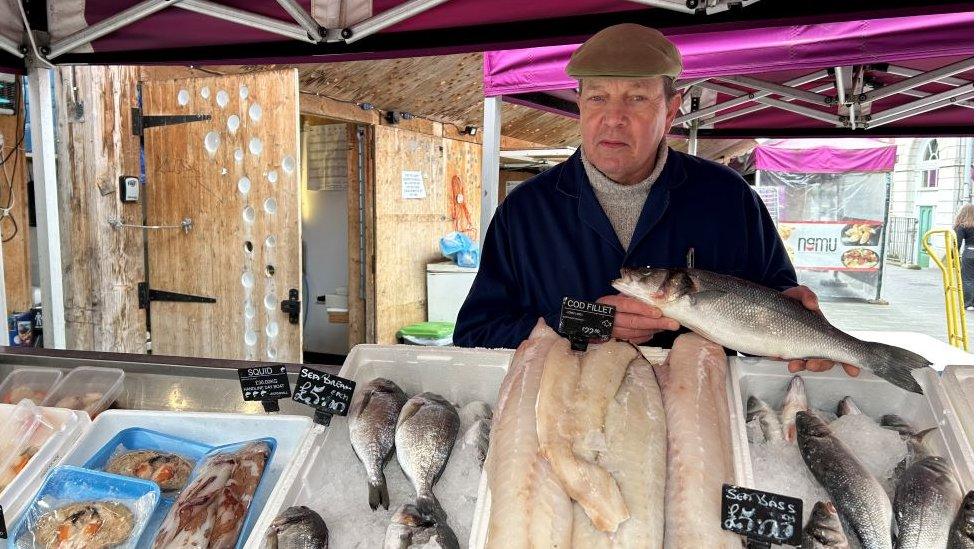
924,225
408,230
236,176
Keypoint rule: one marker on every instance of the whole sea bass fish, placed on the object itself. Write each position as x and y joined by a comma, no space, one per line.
756,320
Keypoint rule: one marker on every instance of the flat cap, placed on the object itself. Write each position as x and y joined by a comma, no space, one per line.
626,50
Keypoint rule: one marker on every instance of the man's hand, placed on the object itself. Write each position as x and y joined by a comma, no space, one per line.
809,299
635,320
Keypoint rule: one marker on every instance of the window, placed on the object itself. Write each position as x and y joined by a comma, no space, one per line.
929,165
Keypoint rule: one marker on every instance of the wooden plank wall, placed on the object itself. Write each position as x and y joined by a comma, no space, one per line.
13,180
102,266
408,230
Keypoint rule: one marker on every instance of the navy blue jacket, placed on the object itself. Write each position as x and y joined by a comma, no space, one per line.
550,239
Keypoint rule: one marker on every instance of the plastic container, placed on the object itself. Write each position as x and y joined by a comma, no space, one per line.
86,388
137,438
291,433
958,383
32,383
67,485
56,429
459,375
767,379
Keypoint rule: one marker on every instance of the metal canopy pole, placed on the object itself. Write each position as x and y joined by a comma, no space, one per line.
11,47
491,142
303,18
46,201
112,24
740,97
921,106
782,105
387,19
842,75
779,89
246,18
917,80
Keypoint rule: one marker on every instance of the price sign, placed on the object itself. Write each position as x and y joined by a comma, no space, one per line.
264,383
762,516
581,321
325,392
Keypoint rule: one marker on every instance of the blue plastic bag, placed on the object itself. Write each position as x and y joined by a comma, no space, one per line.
459,248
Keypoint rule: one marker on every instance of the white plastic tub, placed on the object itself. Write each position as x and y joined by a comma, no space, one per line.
292,433
459,375
958,383
67,426
768,380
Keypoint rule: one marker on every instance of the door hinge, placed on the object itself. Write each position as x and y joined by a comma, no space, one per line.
147,294
141,122
292,306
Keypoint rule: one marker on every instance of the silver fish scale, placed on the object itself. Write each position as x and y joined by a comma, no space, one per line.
761,321
925,504
372,428
858,495
424,441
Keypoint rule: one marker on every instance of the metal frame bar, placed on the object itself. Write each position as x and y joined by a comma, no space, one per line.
46,201
710,123
842,75
740,97
388,18
778,89
246,18
921,106
10,46
898,70
303,18
491,142
782,105
674,6
918,80
112,24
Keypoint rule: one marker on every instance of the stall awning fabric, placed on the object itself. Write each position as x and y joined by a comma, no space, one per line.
759,50
854,155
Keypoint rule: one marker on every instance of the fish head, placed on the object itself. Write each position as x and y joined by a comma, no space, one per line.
410,515
654,286
808,425
796,394
288,517
755,407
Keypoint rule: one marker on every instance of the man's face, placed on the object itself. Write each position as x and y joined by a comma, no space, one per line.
622,121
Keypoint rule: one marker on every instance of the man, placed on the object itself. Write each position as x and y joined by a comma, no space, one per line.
623,199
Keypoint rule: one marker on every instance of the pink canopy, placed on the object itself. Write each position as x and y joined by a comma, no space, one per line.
826,155
778,54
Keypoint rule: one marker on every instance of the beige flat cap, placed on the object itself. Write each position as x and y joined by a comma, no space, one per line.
626,50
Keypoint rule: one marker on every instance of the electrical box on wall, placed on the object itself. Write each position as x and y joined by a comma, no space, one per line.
129,188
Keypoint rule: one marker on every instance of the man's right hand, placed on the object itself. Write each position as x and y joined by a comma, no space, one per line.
635,320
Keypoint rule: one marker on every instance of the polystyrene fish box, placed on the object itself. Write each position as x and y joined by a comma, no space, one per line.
62,428
958,383
768,380
292,433
459,375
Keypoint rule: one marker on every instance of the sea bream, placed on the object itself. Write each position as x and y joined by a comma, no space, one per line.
298,528
756,320
425,434
372,423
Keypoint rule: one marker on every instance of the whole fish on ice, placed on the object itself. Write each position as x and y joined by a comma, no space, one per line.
372,424
756,320
758,410
411,529
298,528
795,401
824,529
926,501
425,434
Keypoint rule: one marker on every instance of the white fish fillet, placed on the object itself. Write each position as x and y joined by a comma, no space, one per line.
529,508
585,534
636,456
570,414
699,460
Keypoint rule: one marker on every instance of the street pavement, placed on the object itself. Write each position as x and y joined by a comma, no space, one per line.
916,303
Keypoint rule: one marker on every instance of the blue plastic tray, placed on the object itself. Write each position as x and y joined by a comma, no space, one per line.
137,438
67,484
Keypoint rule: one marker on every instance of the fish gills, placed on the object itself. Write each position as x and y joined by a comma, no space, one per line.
699,459
559,421
925,502
529,508
859,496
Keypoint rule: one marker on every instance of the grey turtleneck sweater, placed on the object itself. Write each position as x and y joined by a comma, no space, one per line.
623,203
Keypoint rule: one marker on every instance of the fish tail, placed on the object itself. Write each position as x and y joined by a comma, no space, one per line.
428,506
895,365
378,494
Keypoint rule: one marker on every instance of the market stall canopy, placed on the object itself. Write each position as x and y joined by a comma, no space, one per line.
198,31
858,155
881,76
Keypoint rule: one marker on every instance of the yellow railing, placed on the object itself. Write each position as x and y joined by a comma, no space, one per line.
952,283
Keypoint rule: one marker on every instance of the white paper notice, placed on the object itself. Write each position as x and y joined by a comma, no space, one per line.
413,185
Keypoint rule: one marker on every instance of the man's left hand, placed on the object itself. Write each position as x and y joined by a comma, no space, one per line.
809,300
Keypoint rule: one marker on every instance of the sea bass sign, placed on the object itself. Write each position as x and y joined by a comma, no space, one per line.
762,516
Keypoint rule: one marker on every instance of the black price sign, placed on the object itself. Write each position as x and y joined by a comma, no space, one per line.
762,516
3,525
264,383
328,393
580,321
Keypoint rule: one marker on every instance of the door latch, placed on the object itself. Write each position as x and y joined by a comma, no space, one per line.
292,306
